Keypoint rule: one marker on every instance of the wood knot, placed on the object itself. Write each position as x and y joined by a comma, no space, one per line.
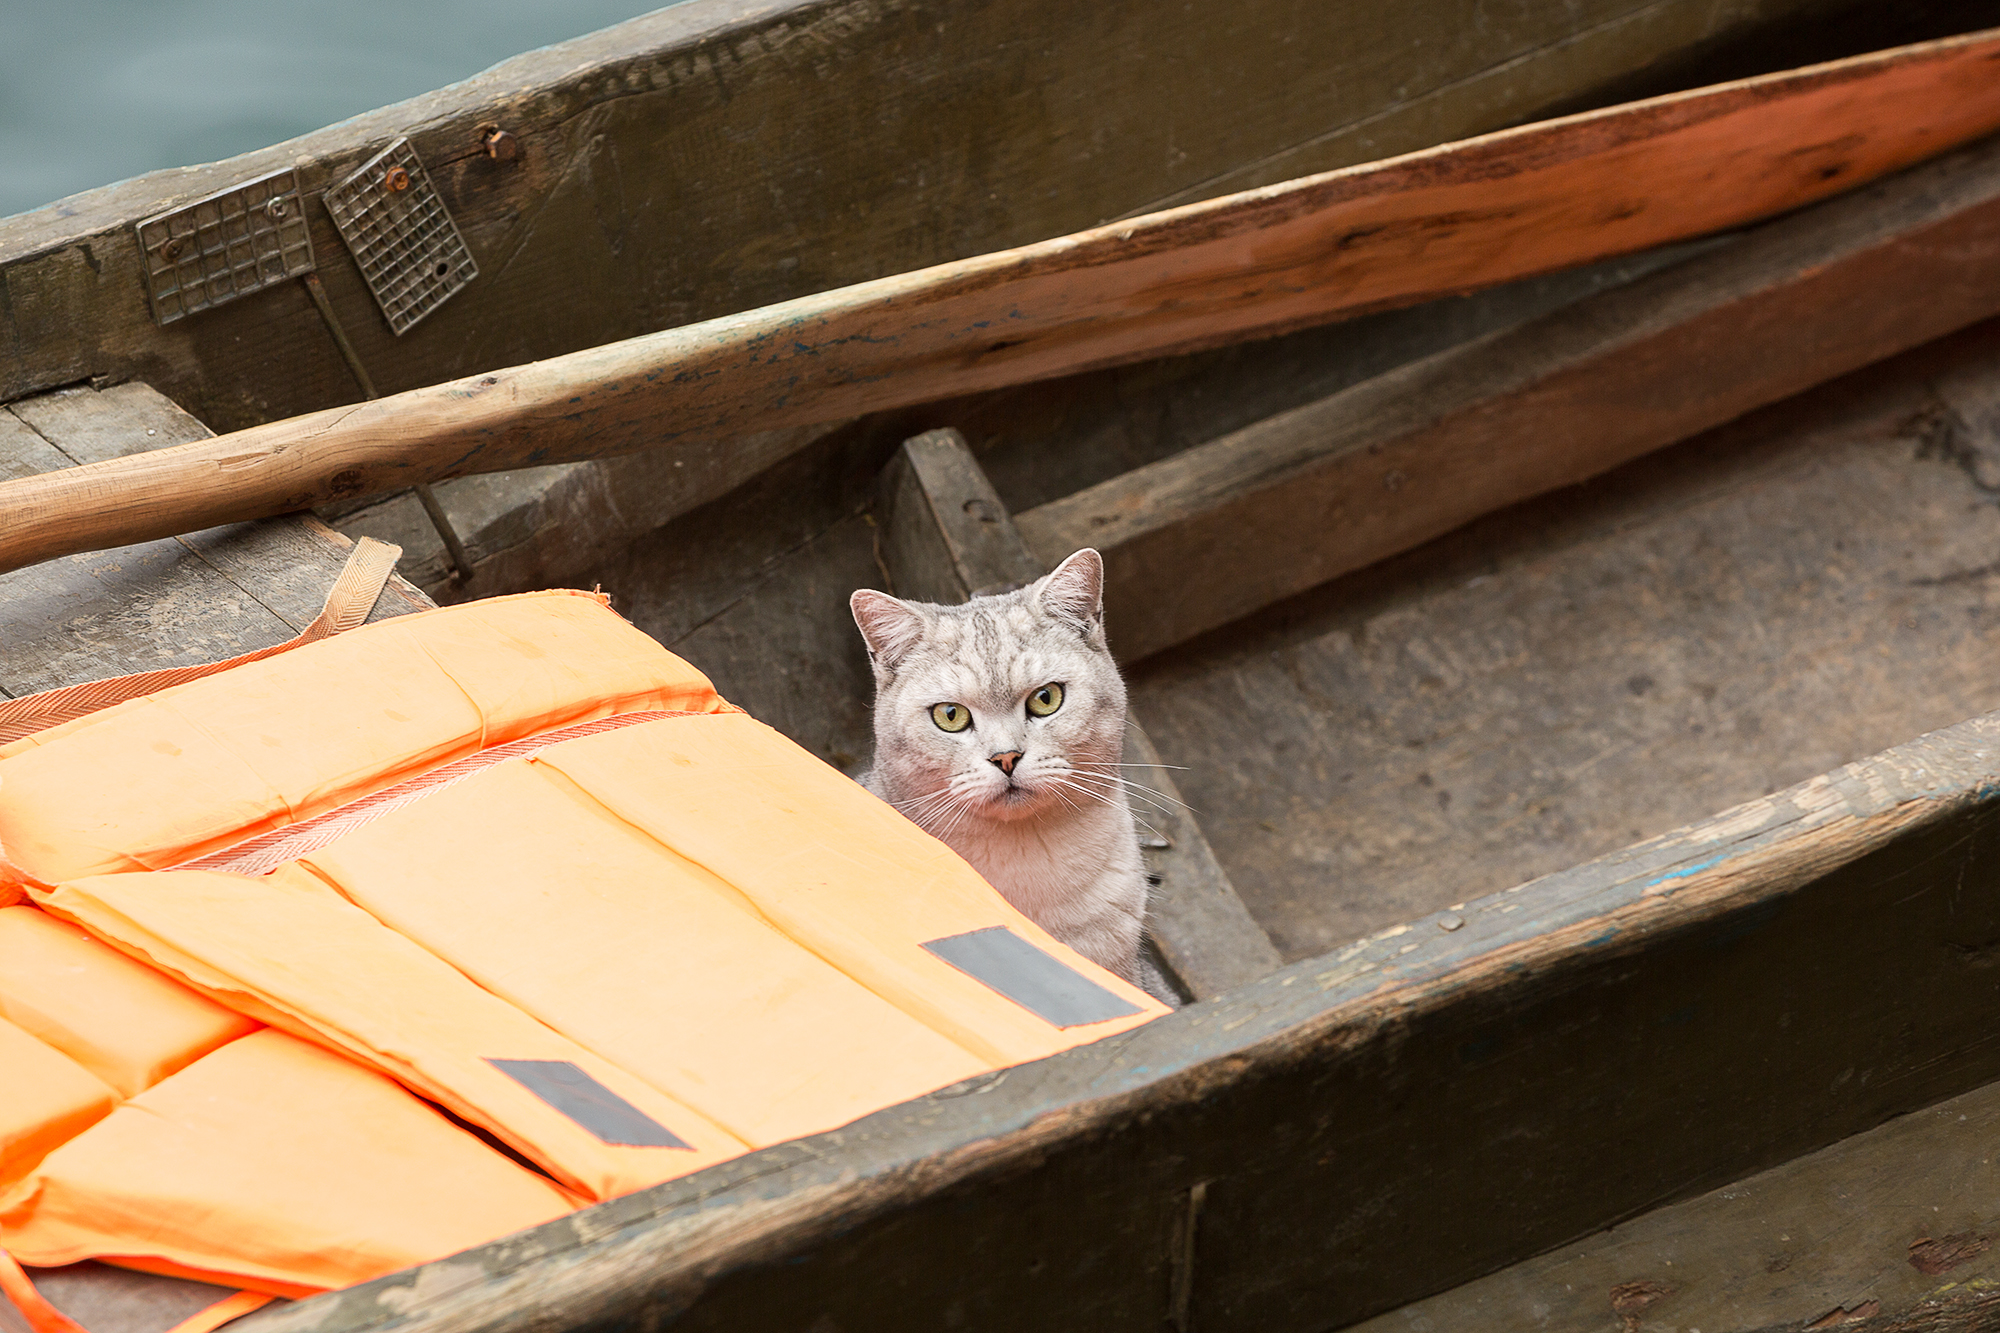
346,482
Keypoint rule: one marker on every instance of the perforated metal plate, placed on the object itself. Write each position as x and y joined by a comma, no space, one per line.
409,249
232,243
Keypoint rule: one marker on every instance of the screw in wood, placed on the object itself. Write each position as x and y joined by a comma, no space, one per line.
275,210
498,143
396,179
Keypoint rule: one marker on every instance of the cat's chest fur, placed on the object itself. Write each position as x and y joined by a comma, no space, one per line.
1080,876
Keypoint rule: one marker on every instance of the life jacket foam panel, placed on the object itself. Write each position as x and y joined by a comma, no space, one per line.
119,1019
46,1098
273,1164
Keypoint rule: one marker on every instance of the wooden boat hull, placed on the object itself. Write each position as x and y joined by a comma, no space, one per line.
1483,1072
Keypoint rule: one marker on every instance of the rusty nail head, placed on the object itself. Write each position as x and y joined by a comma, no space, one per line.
499,144
170,247
395,179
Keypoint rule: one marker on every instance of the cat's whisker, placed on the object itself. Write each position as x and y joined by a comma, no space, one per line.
920,811
1064,798
912,805
1060,782
1134,792
1153,792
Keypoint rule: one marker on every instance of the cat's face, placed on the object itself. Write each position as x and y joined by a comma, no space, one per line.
1002,709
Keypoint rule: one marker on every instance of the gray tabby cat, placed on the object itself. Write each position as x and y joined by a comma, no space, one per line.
1000,729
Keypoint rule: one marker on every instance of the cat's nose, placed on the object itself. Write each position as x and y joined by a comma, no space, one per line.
1005,759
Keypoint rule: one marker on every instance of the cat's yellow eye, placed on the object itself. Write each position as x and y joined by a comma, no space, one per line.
951,717
1044,701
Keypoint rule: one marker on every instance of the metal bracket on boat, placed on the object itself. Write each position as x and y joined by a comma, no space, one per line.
404,241
225,245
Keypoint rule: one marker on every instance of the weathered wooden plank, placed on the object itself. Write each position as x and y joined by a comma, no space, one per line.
172,602
90,425
1206,936
286,562
1790,592
729,154
1370,1126
1884,1223
133,609
23,452
1448,220
1200,539
947,537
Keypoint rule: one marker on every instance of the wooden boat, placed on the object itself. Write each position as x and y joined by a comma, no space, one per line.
1461,616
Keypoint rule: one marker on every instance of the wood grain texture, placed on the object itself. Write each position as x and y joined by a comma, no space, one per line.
94,424
23,452
729,154
1445,220
752,589
1205,935
1199,539
1899,1219
947,537
174,602
1373,1125
1718,620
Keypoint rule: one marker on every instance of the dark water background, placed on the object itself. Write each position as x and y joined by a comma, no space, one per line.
94,91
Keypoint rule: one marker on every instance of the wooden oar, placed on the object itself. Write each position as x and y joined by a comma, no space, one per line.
1447,220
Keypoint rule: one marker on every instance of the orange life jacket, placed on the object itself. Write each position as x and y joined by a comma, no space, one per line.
510,859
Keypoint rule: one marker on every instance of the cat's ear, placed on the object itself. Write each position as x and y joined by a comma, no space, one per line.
1074,591
891,628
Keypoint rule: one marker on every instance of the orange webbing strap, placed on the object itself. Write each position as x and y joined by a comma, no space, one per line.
347,605
232,1306
45,1318
42,1317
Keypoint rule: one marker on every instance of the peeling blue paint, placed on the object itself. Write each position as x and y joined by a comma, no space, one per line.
1686,871
1609,934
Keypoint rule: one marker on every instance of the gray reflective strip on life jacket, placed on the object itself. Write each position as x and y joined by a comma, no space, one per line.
1030,978
583,1099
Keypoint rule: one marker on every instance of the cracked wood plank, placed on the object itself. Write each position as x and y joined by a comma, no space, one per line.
1447,220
